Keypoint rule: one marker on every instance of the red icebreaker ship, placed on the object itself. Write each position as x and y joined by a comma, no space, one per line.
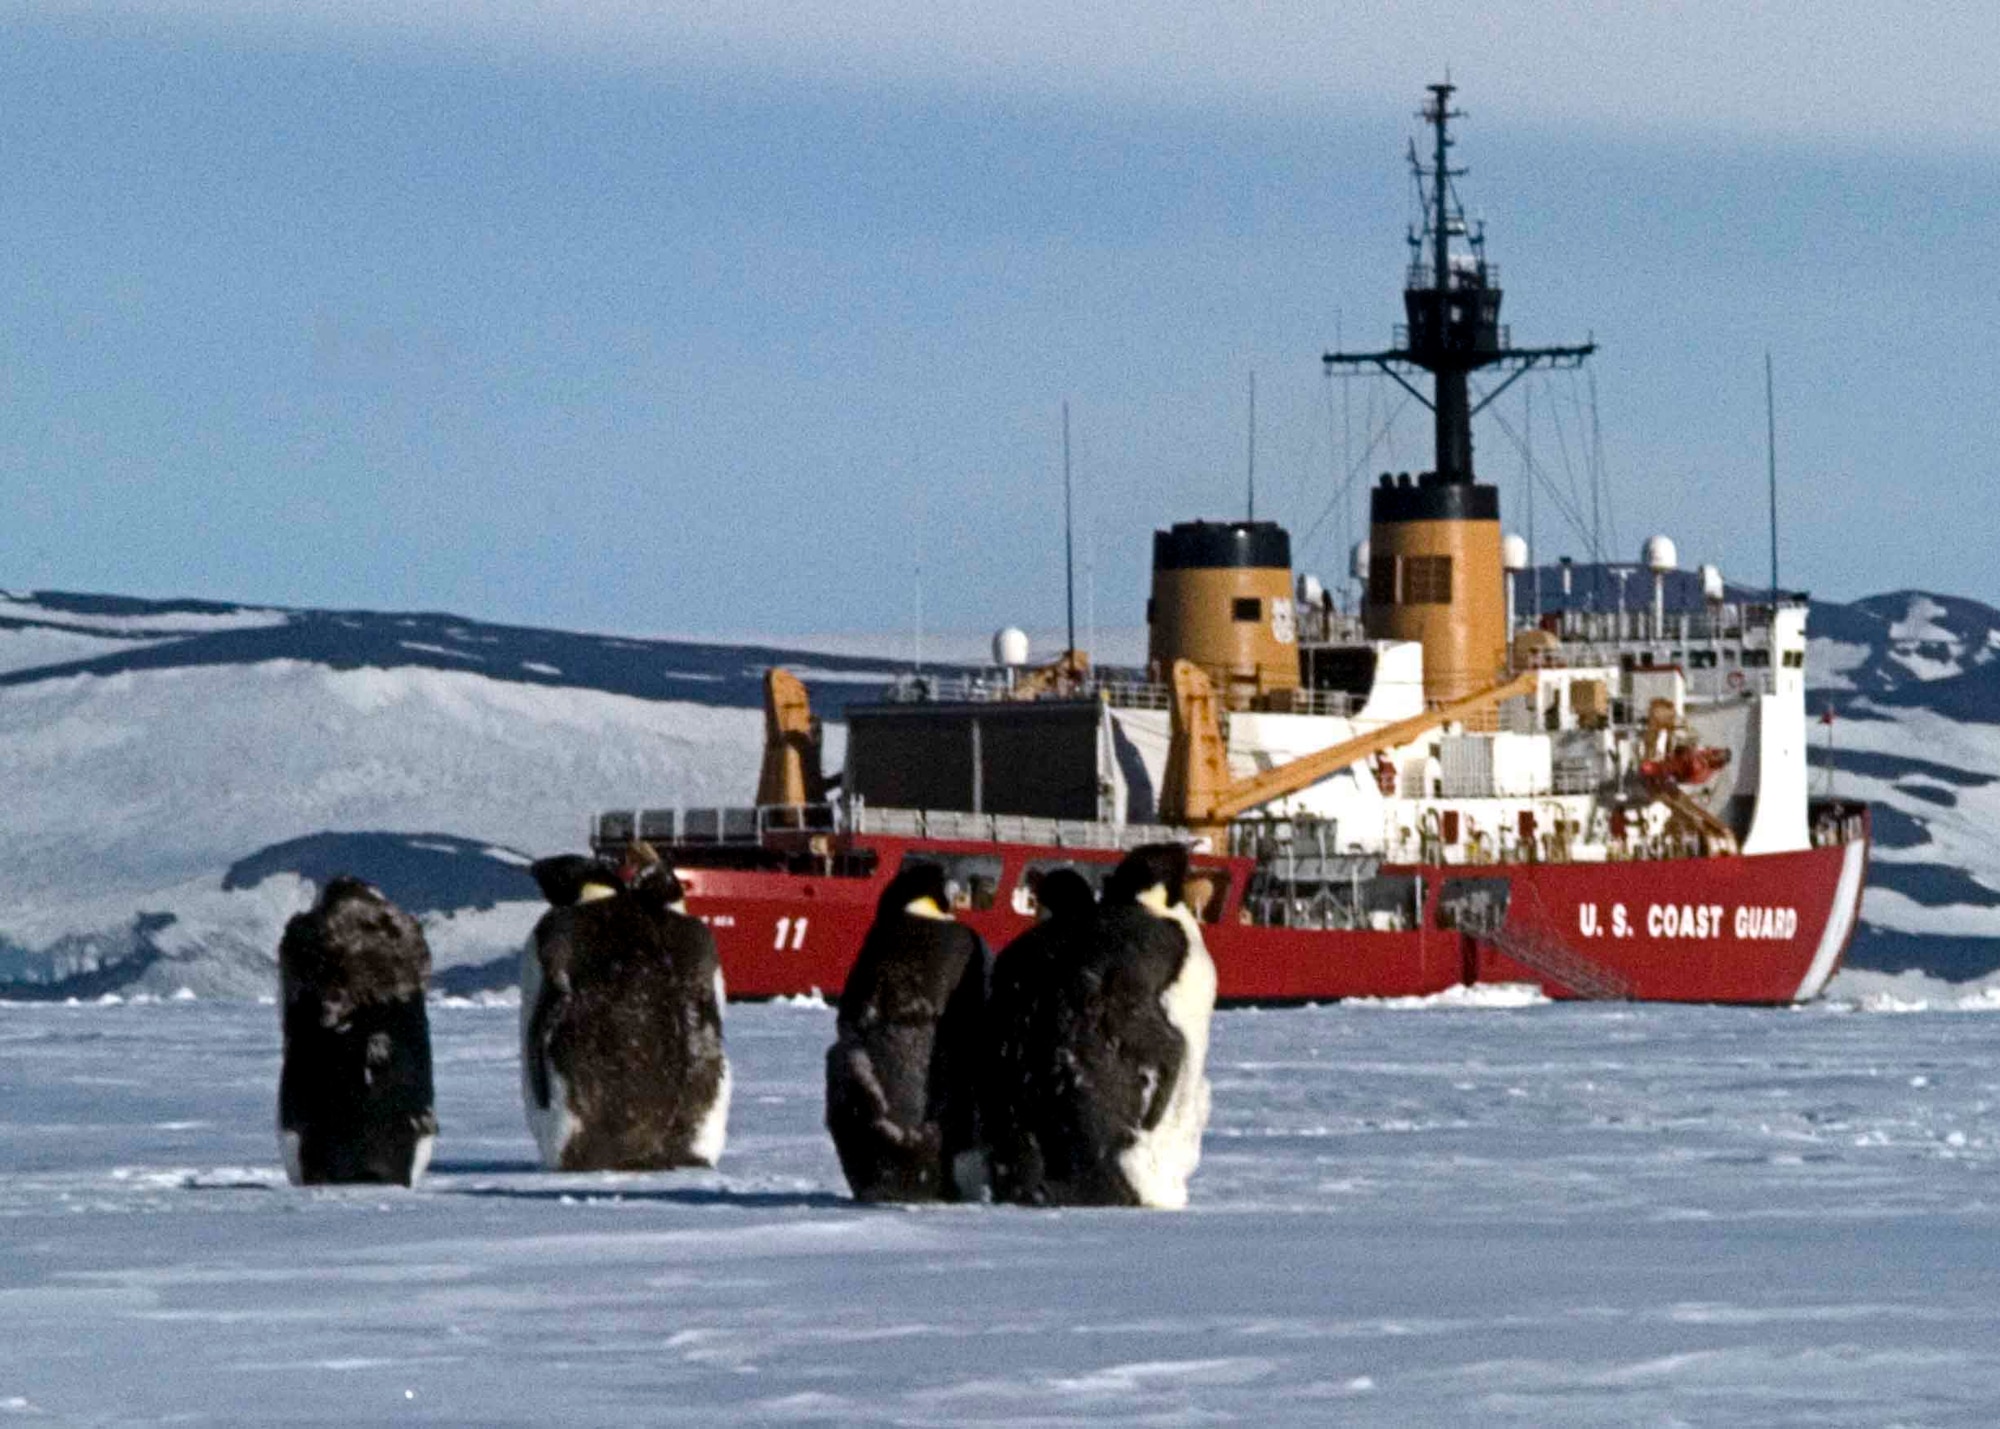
1435,789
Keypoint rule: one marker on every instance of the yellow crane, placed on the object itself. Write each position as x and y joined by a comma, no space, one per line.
792,773
1199,792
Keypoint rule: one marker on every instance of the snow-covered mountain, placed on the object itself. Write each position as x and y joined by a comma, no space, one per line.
1912,682
177,776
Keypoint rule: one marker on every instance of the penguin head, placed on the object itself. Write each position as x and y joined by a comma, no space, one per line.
918,889
647,877
1064,893
571,878
1152,876
344,888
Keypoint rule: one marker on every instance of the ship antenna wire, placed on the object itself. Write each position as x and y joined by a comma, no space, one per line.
1347,524
1252,512
1771,466
1528,470
917,628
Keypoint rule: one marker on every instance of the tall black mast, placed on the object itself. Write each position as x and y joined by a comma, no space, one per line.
1452,303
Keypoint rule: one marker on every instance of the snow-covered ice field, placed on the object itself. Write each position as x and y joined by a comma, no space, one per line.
1536,1215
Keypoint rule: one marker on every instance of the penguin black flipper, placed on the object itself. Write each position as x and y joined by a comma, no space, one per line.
548,1014
958,1056
552,949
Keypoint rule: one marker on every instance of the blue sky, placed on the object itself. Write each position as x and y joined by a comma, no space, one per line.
614,317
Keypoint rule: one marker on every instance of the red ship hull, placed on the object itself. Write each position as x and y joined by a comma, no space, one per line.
1750,929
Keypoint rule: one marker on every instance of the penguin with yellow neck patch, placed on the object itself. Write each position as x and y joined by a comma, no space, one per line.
355,1101
622,1063
902,1077
1016,1073
1111,1081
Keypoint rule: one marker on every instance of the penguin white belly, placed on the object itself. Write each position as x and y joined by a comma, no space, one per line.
713,1132
420,1160
553,1125
531,991
1159,1163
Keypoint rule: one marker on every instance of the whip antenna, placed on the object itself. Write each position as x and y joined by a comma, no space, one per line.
1069,539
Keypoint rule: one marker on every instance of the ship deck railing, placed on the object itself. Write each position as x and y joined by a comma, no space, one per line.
1007,828
749,826
1714,680
1720,623
1299,852
1119,688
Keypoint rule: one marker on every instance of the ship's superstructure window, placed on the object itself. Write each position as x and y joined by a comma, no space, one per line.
1348,669
1247,607
1756,659
1795,659
1382,581
1410,580
1426,580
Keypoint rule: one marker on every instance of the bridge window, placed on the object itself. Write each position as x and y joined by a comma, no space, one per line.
1473,905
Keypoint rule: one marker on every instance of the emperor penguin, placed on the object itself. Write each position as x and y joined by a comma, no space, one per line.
355,1097
1019,1012
902,1077
1117,1095
622,1063
566,880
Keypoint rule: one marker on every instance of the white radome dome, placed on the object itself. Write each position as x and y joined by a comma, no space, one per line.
1513,552
1010,646
1659,554
1357,561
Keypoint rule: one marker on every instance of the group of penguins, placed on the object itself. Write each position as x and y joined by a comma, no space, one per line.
1069,1070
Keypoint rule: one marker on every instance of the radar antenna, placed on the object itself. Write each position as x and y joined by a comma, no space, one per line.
1452,302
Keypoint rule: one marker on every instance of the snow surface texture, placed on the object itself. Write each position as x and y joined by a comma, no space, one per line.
179,777
1551,1215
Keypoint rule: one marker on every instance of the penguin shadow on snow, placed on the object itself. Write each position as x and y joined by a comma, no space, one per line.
574,1193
